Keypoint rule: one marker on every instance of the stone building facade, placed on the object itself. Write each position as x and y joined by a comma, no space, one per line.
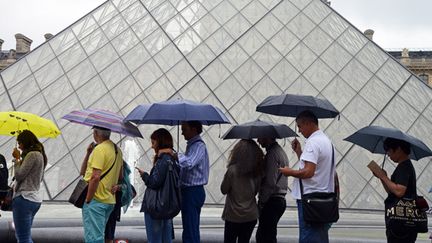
23,46
418,61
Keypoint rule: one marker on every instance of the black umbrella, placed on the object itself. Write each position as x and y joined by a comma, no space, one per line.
372,138
291,105
259,129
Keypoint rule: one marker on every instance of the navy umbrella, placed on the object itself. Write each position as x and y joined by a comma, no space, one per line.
173,112
259,129
372,138
291,105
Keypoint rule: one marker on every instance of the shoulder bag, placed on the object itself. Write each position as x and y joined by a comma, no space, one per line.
79,194
164,202
320,207
6,201
407,214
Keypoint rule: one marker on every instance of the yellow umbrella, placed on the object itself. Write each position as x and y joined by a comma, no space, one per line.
14,122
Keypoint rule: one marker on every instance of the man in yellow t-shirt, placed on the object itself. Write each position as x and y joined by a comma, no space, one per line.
105,158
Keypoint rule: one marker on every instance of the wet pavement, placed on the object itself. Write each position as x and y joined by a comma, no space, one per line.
61,222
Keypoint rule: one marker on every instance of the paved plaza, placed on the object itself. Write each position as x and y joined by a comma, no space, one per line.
62,223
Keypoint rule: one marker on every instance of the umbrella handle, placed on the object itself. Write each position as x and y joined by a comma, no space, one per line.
178,136
382,166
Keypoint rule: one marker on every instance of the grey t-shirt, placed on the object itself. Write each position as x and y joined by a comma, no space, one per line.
274,159
29,176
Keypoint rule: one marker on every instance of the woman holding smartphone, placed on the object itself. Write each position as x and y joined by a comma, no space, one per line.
159,231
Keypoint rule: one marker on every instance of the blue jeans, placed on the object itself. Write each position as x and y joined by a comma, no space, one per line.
316,233
23,212
192,201
158,231
95,216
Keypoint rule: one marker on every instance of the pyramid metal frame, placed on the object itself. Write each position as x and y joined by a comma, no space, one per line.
229,53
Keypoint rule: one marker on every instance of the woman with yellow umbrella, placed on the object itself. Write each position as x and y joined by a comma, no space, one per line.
30,161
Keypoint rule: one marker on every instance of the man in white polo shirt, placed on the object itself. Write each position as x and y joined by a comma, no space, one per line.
315,171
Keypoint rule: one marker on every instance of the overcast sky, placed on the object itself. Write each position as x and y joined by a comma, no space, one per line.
397,23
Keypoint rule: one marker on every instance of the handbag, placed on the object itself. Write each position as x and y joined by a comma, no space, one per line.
321,207
79,194
407,214
6,202
7,196
164,202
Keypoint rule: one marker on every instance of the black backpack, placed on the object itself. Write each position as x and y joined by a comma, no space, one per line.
4,176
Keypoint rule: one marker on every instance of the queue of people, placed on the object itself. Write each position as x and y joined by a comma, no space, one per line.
250,174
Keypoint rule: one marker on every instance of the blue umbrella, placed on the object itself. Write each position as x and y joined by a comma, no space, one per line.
372,138
259,129
173,112
291,105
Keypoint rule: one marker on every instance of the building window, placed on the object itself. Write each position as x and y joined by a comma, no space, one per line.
424,77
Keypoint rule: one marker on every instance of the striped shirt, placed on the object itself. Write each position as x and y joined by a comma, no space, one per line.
194,164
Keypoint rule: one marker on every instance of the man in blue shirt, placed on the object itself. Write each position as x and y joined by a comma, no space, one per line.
194,173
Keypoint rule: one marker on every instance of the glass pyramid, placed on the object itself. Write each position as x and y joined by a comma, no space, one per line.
231,53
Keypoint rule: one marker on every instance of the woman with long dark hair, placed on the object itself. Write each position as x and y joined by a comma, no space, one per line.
29,168
240,185
159,231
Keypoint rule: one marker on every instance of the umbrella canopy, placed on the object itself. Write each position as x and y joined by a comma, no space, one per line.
173,112
13,123
372,138
105,119
291,105
259,129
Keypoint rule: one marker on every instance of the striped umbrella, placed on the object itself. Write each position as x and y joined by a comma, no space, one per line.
105,119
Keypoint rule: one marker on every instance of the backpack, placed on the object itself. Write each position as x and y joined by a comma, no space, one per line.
128,192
